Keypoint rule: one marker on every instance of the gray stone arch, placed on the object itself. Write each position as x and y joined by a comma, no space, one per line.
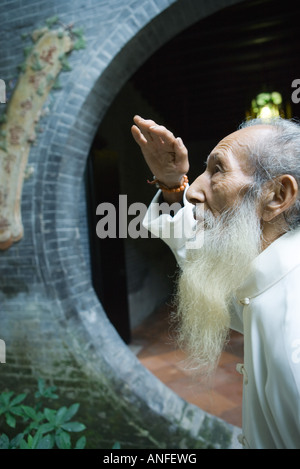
70,129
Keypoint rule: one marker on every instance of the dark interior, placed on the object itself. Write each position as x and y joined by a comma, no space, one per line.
201,83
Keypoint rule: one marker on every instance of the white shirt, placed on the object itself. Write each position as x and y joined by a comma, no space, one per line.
267,311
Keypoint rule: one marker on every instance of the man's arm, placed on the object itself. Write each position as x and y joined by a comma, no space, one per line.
167,158
166,155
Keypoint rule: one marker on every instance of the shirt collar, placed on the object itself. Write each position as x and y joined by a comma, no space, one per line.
282,256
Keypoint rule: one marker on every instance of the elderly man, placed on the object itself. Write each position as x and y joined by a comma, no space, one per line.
246,274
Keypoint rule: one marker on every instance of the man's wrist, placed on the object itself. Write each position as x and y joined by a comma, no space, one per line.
173,182
171,193
179,187
171,198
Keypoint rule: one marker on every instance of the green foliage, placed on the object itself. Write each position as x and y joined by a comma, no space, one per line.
10,407
36,65
45,392
52,21
66,67
41,426
40,90
22,67
80,42
56,85
27,50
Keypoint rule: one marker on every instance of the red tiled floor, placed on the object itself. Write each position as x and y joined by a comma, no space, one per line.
157,352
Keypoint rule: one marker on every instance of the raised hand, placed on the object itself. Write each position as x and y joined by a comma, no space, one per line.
166,155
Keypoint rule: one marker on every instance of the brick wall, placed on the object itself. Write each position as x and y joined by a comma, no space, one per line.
52,323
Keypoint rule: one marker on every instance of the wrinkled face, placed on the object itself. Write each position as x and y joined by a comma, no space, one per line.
229,171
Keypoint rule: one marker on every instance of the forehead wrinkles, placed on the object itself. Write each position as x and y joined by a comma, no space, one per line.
241,146
238,151
236,142
245,140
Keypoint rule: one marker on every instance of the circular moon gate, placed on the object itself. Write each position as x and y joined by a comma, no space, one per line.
78,346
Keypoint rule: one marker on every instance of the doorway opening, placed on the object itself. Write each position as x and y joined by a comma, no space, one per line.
107,254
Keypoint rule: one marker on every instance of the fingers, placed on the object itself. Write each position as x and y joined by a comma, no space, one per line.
160,134
165,155
144,126
157,141
179,147
138,136
154,132
182,155
140,122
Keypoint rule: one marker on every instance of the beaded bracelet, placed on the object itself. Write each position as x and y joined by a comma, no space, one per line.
164,188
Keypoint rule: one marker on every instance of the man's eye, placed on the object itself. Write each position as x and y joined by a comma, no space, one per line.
217,169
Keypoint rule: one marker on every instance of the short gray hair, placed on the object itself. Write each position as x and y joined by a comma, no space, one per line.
277,154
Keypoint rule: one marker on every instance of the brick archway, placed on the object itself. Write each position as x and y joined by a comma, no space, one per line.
61,296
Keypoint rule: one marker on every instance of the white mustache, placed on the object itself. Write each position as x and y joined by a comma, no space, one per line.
202,216
198,212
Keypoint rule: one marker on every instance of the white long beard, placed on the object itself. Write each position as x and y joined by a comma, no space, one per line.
209,280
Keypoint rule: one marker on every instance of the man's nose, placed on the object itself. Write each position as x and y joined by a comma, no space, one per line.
195,193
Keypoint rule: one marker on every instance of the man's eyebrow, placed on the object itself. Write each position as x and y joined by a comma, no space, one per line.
217,157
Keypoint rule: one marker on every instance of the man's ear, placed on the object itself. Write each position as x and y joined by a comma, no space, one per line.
279,196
